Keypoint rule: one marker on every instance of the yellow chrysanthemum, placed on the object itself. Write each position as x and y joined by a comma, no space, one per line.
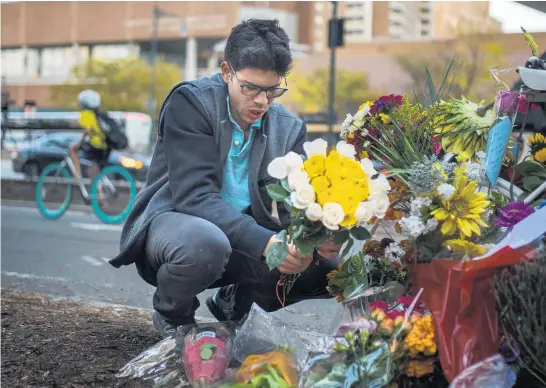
351,169
314,166
326,196
540,156
367,103
537,138
320,183
385,118
464,211
334,167
364,155
421,338
468,248
348,195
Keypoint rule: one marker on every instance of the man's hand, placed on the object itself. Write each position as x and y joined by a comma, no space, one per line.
329,249
294,262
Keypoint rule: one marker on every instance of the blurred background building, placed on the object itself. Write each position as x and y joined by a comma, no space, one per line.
43,41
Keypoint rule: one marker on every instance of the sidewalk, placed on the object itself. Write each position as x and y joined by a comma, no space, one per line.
58,343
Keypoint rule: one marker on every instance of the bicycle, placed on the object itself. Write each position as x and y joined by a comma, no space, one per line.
62,176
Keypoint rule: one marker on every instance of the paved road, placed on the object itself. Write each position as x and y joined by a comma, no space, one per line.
68,258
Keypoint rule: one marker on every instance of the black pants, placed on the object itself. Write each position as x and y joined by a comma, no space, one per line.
186,255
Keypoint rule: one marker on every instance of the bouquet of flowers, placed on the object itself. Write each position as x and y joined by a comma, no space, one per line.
380,263
392,131
383,345
330,195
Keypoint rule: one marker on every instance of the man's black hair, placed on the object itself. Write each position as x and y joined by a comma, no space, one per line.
259,44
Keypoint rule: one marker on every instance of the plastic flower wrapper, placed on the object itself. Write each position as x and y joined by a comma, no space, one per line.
330,196
460,298
357,362
206,355
163,363
262,333
492,372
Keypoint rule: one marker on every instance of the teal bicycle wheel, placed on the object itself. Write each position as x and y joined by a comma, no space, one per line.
61,193
125,191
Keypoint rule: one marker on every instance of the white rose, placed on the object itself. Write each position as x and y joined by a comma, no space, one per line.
293,161
315,147
379,185
346,149
296,178
446,191
333,215
278,168
303,196
314,212
367,167
382,204
364,212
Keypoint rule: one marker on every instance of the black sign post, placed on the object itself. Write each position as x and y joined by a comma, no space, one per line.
335,39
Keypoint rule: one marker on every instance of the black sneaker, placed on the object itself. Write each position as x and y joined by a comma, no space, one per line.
221,304
165,327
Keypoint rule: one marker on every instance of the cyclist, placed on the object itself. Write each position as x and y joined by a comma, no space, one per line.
93,143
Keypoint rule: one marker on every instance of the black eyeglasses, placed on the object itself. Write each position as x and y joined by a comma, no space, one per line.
250,90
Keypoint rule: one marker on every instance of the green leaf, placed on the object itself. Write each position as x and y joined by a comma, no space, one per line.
305,247
341,236
360,233
431,88
356,264
347,248
285,185
530,183
277,192
288,204
276,254
530,167
295,230
294,213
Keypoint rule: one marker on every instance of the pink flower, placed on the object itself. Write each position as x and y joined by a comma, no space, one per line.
437,146
378,304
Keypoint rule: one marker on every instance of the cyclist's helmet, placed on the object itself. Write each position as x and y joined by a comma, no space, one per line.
89,99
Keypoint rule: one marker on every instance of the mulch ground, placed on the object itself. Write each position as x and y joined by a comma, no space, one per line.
52,343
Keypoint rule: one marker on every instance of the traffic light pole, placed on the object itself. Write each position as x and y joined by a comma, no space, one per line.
331,116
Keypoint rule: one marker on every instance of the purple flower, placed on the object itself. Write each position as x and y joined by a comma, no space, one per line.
513,213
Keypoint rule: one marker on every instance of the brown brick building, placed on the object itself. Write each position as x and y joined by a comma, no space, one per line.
42,41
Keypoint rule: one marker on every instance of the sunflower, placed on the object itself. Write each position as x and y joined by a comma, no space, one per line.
468,248
464,211
537,142
540,156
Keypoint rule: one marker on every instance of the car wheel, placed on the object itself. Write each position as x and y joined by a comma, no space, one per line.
32,169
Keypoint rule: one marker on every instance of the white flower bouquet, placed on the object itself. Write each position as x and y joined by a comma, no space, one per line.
330,195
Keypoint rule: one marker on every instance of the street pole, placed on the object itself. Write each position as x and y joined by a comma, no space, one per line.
331,116
5,111
153,60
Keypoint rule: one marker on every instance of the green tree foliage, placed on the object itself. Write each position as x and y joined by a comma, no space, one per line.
309,92
123,84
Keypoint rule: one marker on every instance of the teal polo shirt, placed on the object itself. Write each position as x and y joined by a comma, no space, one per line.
235,177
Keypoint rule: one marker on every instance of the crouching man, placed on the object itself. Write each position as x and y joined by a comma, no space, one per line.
203,219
